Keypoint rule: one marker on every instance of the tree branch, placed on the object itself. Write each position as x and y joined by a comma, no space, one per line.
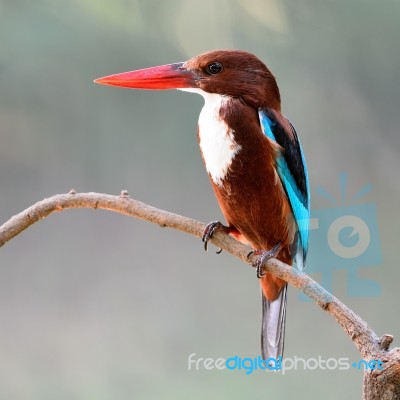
366,341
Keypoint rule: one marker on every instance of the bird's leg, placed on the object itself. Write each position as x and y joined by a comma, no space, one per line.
209,231
264,255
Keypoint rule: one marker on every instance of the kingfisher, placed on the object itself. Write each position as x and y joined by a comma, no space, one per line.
254,161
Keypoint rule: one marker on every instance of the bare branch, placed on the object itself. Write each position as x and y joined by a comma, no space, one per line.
366,341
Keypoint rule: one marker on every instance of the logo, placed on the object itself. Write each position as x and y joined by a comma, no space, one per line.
345,237
249,365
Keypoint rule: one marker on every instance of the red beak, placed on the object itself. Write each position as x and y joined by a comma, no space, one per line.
171,76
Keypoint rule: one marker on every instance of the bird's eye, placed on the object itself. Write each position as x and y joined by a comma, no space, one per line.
214,68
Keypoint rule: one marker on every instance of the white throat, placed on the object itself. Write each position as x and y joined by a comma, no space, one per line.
216,138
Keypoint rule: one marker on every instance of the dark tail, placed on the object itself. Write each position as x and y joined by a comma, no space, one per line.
273,325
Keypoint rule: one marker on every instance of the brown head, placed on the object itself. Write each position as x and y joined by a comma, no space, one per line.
231,73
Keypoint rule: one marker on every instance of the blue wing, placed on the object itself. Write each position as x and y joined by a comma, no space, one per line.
292,170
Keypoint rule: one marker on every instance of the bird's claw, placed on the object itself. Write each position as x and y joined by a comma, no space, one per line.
209,231
264,255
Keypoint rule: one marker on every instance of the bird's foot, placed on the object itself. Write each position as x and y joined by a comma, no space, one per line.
264,255
209,231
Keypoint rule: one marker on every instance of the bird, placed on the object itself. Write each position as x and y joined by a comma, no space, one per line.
254,161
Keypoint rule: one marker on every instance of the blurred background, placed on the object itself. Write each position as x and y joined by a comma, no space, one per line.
95,305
